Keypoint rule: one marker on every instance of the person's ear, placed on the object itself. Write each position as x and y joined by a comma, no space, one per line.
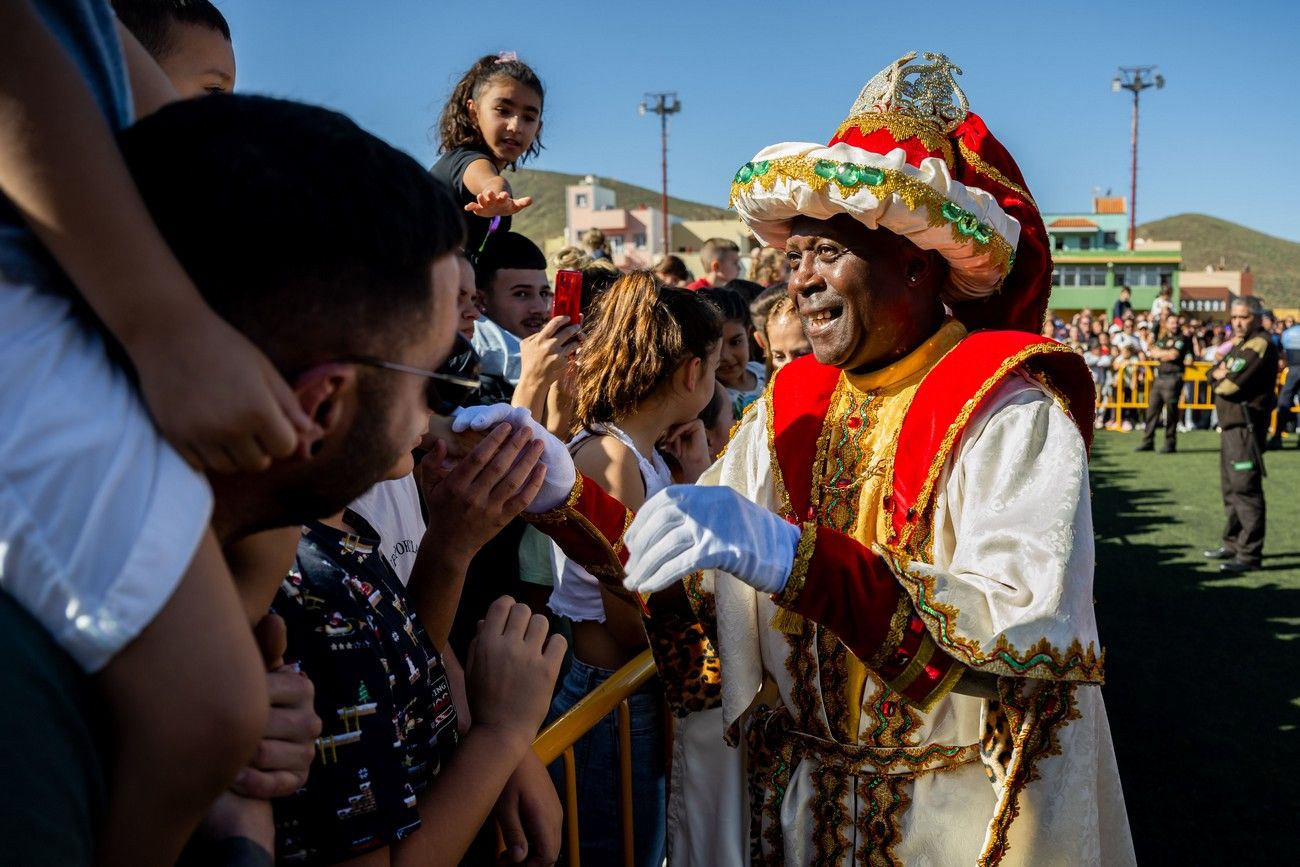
761,339
918,266
322,392
473,111
691,372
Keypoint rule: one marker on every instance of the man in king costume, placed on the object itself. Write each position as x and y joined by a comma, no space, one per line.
881,595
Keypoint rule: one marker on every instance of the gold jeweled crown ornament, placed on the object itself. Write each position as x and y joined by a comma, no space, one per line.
927,92
912,158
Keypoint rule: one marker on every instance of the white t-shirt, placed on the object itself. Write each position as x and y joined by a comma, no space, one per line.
393,509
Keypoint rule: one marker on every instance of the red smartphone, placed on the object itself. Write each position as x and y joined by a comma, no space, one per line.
568,296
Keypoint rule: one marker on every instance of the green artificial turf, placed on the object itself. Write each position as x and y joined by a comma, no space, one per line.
1202,684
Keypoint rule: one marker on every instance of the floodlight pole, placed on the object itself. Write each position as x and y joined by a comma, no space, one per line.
663,104
1136,79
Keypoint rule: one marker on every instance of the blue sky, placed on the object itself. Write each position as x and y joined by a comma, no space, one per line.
753,74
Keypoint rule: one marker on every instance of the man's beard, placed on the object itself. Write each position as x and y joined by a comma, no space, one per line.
363,459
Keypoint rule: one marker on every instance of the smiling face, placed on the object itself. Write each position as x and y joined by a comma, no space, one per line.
735,354
866,297
786,340
519,300
509,116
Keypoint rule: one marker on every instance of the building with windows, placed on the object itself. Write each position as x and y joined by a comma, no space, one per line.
1091,259
634,235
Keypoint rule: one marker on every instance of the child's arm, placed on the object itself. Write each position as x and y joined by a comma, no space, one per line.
486,490
217,399
493,194
151,89
511,671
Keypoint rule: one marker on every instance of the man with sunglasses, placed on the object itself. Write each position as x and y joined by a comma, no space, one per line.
356,321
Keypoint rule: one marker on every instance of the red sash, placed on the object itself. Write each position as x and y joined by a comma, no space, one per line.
948,398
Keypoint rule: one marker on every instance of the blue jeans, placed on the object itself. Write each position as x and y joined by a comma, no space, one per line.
596,764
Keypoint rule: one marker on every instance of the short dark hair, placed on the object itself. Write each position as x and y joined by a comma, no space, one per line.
150,21
308,234
731,304
506,250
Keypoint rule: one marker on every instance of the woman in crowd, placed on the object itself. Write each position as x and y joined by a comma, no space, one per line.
646,370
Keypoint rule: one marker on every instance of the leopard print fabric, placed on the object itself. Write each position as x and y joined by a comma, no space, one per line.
687,661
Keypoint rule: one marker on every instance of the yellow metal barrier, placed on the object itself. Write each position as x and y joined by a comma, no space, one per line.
1132,388
557,740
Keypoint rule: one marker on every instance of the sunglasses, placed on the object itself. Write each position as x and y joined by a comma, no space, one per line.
446,392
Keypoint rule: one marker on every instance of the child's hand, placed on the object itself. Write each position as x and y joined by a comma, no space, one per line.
485,490
511,670
689,444
498,204
216,397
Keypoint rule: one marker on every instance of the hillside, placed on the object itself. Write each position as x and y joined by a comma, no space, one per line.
545,218
1211,241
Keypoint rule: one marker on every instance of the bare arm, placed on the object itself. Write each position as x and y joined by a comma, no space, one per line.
212,393
467,506
613,465
150,87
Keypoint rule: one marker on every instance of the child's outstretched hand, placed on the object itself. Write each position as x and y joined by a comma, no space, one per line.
216,397
498,204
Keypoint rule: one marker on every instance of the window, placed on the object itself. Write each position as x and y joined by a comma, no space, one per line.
1058,243
638,240
580,200
1139,275
1085,242
1109,241
1079,275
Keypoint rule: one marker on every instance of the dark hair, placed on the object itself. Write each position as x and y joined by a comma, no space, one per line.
638,333
731,303
308,234
671,266
456,127
748,289
596,280
150,21
505,250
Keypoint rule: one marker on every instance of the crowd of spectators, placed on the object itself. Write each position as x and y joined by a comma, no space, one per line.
266,580
1113,343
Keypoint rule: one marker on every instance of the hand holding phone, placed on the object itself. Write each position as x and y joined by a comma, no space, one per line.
568,296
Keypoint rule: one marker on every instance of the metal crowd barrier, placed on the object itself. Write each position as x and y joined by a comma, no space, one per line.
1132,388
557,740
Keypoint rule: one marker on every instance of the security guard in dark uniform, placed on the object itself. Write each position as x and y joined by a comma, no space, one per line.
1172,350
1245,393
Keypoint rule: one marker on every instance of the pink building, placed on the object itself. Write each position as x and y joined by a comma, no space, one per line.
634,236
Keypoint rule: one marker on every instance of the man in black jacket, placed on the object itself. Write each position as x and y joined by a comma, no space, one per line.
1244,396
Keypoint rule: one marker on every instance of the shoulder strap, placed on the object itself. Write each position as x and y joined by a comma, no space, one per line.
953,392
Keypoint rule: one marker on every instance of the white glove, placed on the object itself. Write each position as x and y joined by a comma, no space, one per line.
560,472
685,528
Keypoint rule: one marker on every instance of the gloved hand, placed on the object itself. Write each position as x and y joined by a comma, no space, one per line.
685,528
560,472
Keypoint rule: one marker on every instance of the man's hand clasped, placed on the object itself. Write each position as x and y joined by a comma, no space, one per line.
560,472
